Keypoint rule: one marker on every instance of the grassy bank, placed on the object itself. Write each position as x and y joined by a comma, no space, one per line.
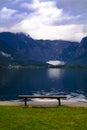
59,118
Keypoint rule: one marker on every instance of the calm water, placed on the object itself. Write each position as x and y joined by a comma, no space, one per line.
71,82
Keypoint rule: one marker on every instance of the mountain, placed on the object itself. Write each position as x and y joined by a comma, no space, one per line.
40,50
10,56
80,54
69,52
20,48
82,48
52,49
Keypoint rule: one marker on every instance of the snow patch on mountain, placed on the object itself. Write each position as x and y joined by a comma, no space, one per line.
5,54
55,62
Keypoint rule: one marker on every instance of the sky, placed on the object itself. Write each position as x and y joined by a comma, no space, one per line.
45,19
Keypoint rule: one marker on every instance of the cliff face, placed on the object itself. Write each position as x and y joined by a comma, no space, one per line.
80,54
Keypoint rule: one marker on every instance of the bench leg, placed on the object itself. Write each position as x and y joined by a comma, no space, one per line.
59,102
25,101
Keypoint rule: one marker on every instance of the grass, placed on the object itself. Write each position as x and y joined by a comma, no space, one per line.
59,118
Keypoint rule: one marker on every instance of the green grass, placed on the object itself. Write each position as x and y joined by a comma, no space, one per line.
58,118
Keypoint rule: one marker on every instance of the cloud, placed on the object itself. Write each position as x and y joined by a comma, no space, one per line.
46,19
46,12
65,32
74,7
3,29
9,17
6,13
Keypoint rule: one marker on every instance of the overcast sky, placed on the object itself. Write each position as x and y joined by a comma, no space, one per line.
45,19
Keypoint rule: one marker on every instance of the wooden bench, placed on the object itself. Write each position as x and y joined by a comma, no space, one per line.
25,97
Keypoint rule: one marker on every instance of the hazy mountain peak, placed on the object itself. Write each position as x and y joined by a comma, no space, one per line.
22,34
84,40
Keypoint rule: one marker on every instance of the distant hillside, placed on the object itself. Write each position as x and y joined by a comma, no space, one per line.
20,48
80,54
40,50
10,56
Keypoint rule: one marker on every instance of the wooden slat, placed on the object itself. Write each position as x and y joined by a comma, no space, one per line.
42,96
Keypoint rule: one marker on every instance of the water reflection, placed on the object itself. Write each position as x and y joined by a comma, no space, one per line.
54,73
70,82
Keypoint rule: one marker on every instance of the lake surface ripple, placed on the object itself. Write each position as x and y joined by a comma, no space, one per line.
70,82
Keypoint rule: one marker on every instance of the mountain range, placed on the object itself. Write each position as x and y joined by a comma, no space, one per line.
11,57
21,49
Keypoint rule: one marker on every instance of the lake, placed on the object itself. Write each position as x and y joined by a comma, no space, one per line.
70,82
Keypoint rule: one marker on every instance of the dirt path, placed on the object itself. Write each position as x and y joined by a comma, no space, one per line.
43,104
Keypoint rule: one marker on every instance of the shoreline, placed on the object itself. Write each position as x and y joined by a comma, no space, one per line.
44,104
